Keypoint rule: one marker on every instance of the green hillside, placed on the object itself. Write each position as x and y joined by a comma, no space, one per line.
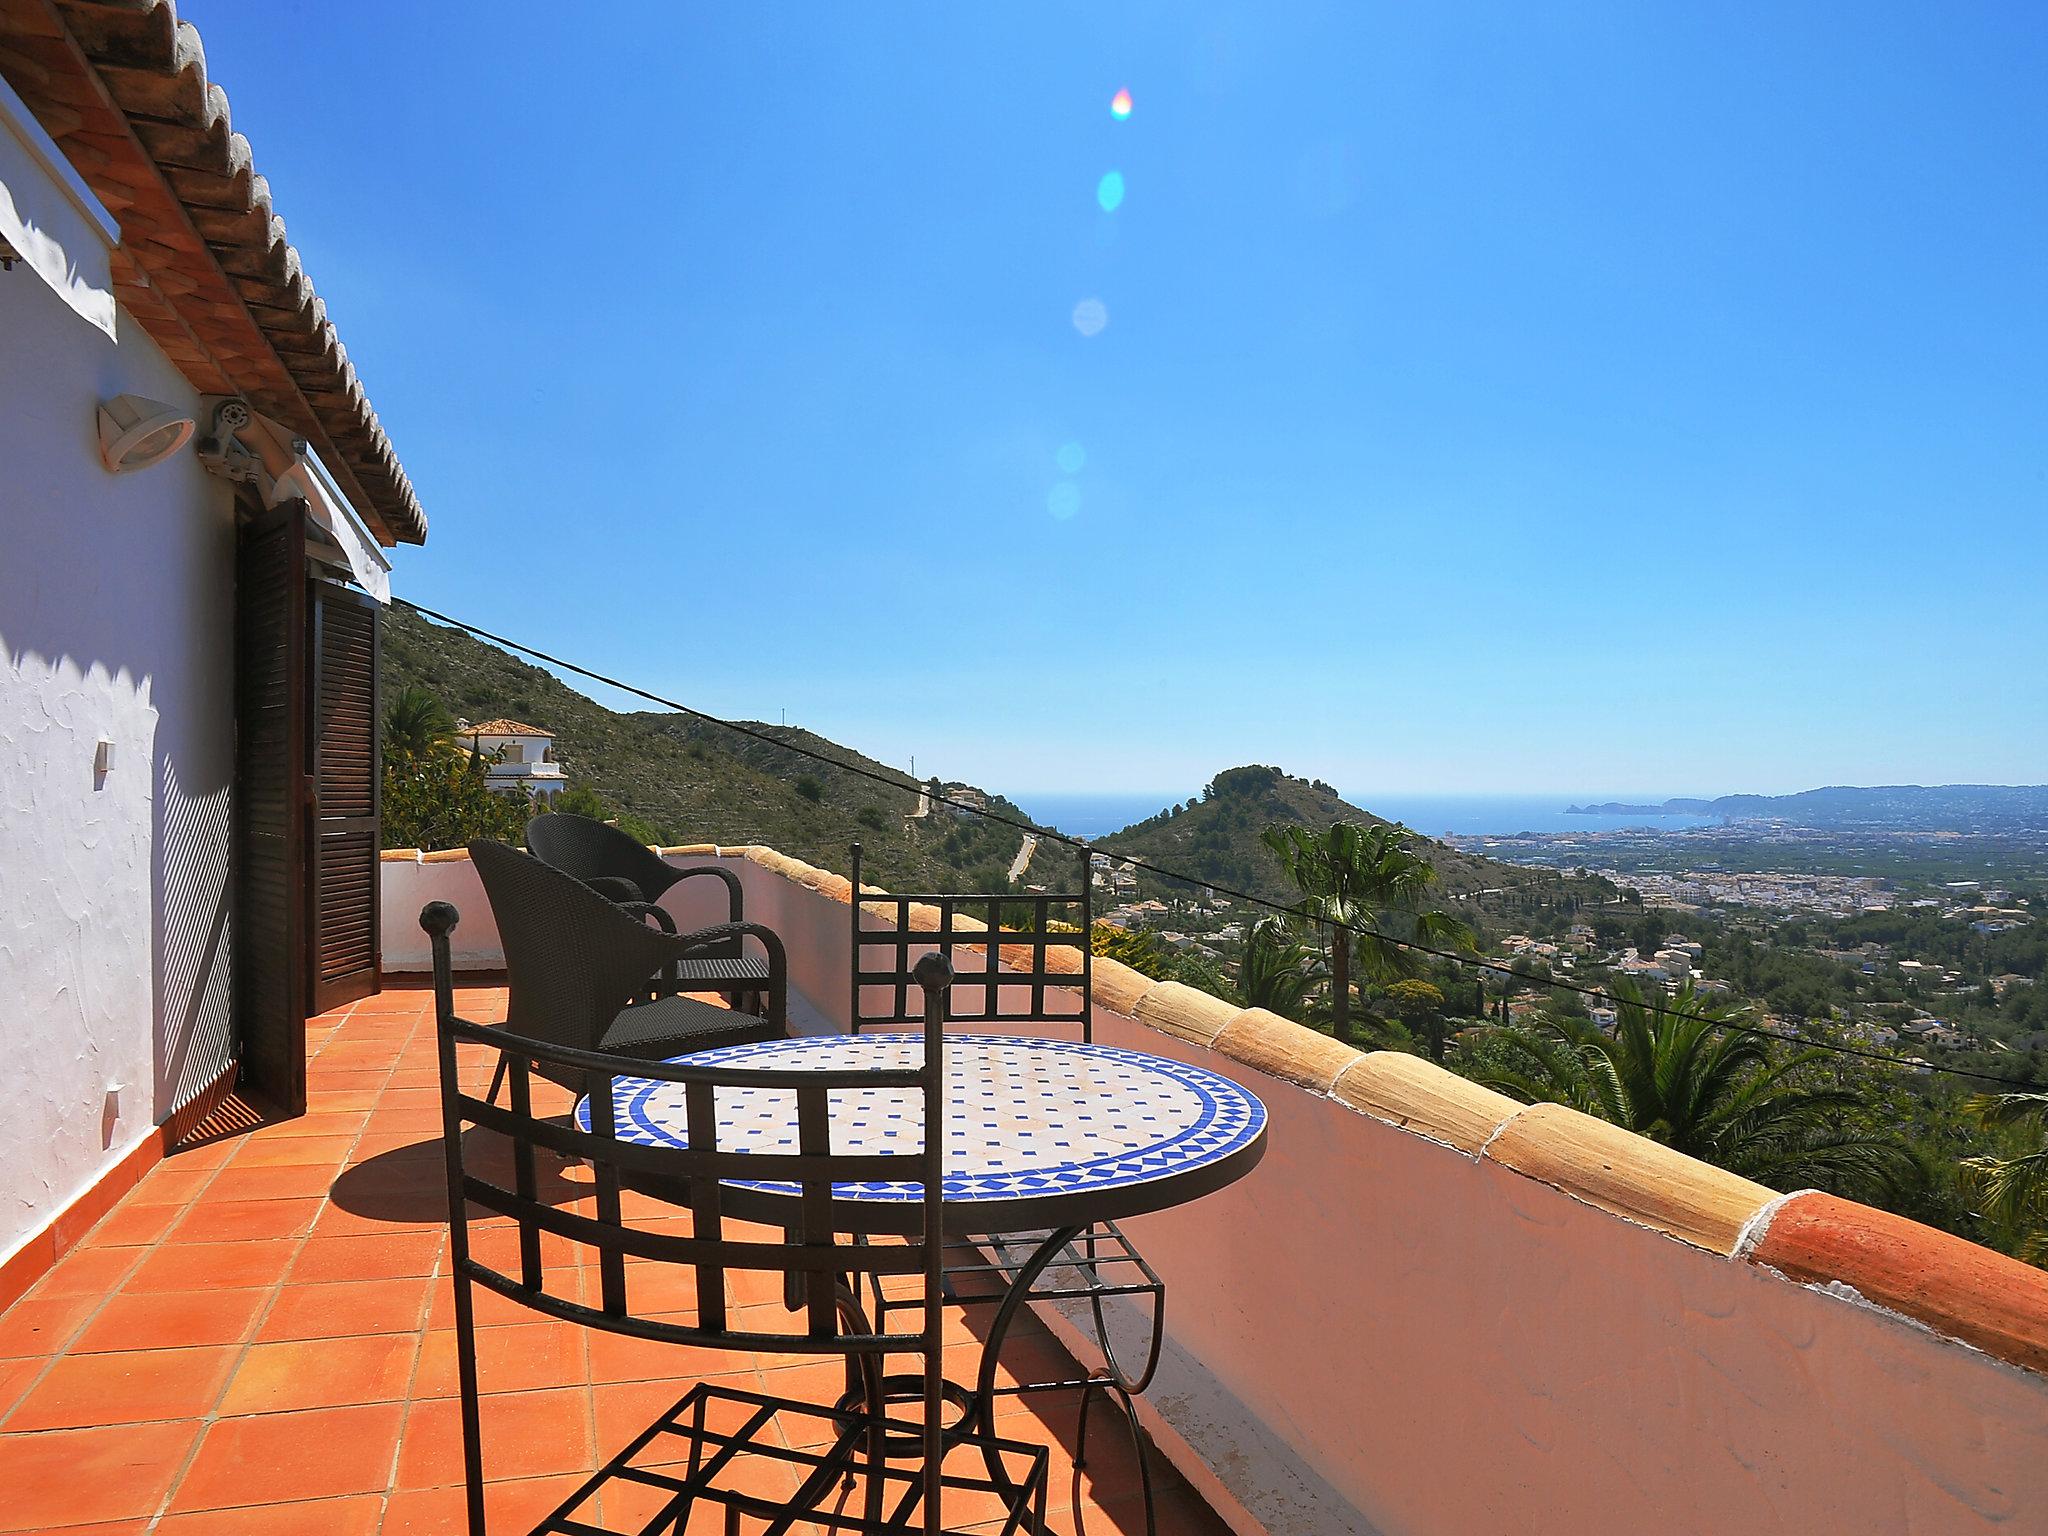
1217,839
696,783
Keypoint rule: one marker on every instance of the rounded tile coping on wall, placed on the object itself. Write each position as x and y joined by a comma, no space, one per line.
1925,1277
1957,1288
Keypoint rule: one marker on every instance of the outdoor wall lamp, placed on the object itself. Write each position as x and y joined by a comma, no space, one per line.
136,432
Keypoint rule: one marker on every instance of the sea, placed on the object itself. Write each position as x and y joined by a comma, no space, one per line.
1098,815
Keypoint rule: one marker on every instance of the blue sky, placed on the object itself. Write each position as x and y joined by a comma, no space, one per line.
1491,397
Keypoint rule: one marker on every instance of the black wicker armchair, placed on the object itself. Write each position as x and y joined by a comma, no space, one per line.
619,867
587,974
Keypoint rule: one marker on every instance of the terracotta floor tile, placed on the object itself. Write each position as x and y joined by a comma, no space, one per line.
237,1221
319,1122
15,1376
515,1505
408,1124
287,1183
169,1183
322,1373
212,1266
317,1454
345,1307
385,1256
124,1387
525,1434
75,1476
411,1098
365,1097
129,1225
376,1207
527,1358
616,1357
294,1152
626,1408
86,1272
354,1516
492,1310
173,1320
325,1085
203,1154
42,1325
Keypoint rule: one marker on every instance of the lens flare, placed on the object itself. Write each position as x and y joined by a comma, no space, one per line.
1120,105
1064,500
1090,316
1109,191
1072,458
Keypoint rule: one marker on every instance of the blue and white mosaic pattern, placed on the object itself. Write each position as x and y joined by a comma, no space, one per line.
1024,1117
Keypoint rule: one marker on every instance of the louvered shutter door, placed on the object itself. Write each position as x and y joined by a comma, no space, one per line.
270,734
347,794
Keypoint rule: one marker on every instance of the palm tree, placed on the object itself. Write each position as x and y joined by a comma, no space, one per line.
1277,972
2012,1192
1673,1072
1366,885
417,726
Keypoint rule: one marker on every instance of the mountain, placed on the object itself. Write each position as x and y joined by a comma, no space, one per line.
1217,838
693,782
1902,807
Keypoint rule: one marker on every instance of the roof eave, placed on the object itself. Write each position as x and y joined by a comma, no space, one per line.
122,86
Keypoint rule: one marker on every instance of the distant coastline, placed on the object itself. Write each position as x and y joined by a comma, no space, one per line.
1091,816
1666,808
1098,815
1927,806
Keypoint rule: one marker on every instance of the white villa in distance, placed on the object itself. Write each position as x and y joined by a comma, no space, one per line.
516,756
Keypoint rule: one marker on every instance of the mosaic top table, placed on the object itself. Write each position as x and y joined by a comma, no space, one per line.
1045,1138
1040,1134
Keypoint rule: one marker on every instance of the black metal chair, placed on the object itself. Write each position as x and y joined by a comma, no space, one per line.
718,1447
585,972
1014,936
620,867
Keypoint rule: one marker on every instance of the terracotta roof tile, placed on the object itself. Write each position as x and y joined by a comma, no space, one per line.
503,727
204,264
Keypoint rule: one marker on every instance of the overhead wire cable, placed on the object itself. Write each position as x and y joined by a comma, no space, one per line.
1416,946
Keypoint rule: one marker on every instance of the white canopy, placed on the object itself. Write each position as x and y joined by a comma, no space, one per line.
333,516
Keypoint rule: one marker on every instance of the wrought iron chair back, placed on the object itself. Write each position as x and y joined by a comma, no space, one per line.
1016,984
1015,936
497,1175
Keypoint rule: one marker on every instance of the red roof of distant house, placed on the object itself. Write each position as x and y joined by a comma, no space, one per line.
505,728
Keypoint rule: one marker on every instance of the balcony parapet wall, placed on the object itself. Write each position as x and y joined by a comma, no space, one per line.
1846,1288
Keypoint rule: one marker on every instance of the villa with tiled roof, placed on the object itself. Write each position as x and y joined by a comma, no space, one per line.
518,758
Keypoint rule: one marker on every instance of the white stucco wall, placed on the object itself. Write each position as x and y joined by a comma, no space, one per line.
116,622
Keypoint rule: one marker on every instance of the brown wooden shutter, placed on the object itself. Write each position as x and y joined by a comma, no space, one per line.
270,735
347,796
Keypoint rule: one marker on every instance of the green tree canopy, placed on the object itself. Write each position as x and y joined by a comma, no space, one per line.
417,725
1277,972
2011,1193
